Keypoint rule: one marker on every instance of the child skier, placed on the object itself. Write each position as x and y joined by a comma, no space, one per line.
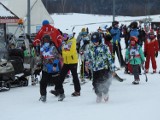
99,59
50,66
135,56
151,51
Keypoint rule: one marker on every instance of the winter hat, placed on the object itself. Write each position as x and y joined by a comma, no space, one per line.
45,22
96,37
133,40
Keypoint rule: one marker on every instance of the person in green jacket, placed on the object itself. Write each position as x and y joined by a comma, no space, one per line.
135,56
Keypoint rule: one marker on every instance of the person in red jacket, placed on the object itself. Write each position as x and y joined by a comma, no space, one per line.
54,33
151,51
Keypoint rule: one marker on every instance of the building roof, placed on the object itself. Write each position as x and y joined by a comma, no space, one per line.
7,16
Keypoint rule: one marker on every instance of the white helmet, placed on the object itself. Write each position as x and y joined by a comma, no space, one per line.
69,33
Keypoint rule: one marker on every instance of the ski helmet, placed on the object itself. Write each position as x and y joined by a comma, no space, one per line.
152,34
45,22
46,38
115,23
67,34
96,37
134,24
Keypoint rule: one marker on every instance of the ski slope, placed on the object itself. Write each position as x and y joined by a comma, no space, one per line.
126,101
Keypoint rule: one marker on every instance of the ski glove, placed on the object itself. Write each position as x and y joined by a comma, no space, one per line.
156,54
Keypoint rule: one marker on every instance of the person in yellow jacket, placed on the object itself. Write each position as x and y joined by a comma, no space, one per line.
70,62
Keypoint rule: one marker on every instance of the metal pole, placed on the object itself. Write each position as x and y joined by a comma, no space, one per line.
114,10
28,19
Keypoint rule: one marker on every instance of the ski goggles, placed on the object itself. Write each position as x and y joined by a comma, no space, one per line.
95,40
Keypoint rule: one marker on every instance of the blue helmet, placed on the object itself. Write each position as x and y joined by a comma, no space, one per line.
45,22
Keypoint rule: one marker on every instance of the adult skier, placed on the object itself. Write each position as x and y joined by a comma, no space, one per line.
48,29
116,37
70,62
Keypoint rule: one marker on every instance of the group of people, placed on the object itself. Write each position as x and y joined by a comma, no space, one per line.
60,51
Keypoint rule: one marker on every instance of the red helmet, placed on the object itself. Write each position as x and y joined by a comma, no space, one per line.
133,40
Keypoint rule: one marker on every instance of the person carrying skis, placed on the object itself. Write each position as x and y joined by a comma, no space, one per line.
51,66
116,37
135,56
83,41
99,59
151,51
70,62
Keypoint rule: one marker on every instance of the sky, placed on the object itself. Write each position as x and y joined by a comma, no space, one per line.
126,101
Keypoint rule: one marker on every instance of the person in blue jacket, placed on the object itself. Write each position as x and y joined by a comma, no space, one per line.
50,65
116,38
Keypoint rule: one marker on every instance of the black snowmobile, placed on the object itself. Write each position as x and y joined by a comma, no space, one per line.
12,71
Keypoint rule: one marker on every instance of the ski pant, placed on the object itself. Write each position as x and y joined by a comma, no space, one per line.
101,82
64,71
158,43
117,49
135,71
153,60
46,78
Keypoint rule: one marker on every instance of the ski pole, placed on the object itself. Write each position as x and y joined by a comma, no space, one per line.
144,72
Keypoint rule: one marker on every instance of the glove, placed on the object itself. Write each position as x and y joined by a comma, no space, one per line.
108,37
81,53
145,54
156,54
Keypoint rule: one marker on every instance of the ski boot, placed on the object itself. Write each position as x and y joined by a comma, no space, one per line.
135,82
43,98
105,97
75,94
99,99
54,92
61,97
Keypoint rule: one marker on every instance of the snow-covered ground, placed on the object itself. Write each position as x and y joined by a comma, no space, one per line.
126,102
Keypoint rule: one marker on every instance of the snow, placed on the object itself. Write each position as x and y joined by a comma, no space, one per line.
126,101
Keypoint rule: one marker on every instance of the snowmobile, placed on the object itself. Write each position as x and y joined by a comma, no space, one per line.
12,70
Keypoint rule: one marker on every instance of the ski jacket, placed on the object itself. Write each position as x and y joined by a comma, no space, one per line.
134,32
52,32
151,46
116,34
50,59
69,52
134,55
99,58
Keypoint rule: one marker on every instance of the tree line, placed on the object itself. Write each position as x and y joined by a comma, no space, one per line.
104,7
